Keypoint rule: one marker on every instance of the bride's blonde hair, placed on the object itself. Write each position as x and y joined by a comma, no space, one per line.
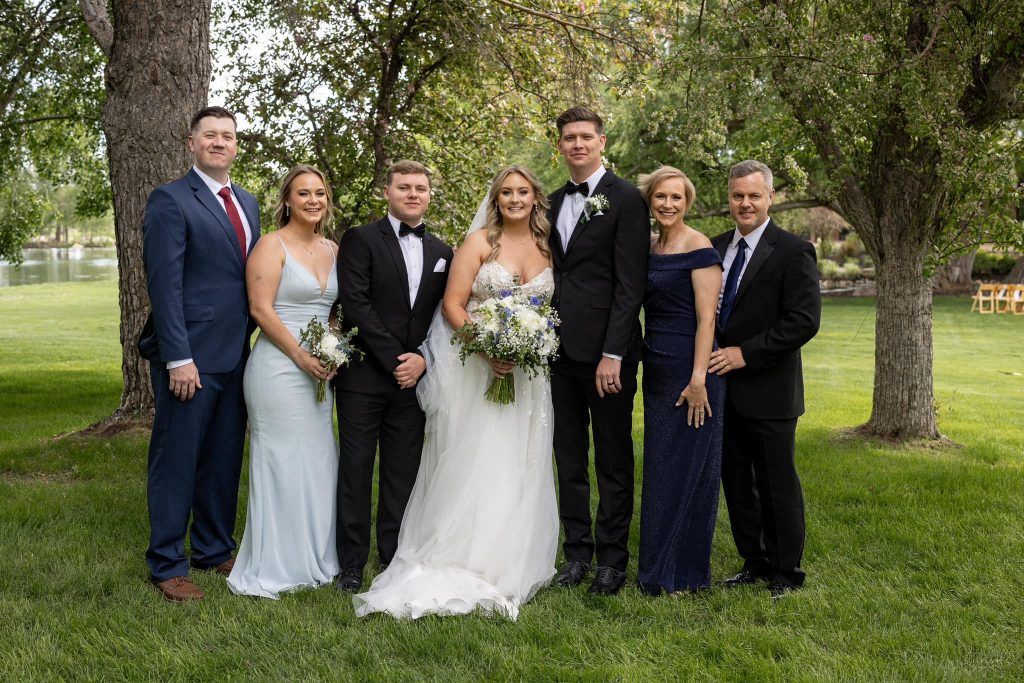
540,228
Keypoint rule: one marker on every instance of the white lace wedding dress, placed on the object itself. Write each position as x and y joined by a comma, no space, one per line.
481,527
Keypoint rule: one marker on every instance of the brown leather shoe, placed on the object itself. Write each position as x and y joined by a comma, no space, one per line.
225,567
179,589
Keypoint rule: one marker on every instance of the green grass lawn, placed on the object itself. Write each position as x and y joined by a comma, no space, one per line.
915,557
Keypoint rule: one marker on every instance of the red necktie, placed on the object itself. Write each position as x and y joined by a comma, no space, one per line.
236,220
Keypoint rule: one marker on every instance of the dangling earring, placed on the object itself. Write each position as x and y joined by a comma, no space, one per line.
287,211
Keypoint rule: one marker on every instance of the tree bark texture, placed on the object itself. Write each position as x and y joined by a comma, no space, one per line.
903,402
954,277
1016,274
157,77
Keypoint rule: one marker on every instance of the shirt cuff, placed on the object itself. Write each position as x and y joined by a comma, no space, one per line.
171,364
612,356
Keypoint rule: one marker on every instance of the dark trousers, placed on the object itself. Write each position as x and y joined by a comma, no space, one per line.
577,404
195,460
393,419
763,494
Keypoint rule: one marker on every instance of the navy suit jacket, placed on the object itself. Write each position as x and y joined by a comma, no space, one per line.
196,276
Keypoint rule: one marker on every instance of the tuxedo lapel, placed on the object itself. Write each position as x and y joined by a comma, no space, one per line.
556,238
215,207
765,246
582,223
395,249
431,252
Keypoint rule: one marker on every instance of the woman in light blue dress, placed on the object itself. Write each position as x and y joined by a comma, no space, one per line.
293,457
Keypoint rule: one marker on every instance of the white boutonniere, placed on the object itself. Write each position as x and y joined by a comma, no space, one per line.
594,206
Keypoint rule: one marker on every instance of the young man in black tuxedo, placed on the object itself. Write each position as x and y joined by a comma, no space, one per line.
770,307
599,243
391,277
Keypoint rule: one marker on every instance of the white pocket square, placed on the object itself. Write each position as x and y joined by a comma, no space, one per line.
440,265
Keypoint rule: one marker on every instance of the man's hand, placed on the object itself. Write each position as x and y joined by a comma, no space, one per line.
410,367
185,381
607,377
726,360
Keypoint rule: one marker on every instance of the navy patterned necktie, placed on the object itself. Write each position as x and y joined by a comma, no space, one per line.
732,282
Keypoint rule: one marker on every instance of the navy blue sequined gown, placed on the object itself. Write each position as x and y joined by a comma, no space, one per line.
682,464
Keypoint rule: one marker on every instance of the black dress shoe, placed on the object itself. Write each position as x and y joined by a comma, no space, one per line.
779,588
607,581
572,574
744,578
350,580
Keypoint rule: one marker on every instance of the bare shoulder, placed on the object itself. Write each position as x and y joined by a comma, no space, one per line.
476,242
698,240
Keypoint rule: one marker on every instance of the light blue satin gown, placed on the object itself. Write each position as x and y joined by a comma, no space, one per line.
293,455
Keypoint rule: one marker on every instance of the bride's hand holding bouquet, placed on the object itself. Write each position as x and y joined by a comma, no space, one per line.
511,329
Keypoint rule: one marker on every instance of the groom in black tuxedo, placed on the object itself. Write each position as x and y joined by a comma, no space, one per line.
770,306
599,241
391,277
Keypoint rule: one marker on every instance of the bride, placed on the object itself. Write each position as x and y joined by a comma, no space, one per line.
481,527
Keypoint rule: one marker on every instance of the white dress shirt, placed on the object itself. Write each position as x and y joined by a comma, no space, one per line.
412,254
730,255
572,207
215,187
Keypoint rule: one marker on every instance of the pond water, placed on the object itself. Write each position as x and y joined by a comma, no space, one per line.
60,265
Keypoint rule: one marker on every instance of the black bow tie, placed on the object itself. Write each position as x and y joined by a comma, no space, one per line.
573,188
404,230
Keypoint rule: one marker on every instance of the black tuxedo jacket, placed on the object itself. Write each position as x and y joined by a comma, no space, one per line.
373,288
777,310
601,277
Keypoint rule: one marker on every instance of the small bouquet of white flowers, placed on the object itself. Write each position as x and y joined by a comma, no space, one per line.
511,326
332,346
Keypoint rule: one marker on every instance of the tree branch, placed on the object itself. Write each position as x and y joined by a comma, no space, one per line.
98,22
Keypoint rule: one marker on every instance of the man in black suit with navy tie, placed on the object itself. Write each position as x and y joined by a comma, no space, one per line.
770,307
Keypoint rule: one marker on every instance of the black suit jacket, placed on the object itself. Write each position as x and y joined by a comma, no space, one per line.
777,310
601,277
373,288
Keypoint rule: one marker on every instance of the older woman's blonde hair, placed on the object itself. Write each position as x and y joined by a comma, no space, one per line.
540,228
282,218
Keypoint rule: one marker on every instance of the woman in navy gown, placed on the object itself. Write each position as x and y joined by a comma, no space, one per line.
683,404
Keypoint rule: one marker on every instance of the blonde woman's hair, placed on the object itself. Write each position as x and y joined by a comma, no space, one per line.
540,228
649,183
282,219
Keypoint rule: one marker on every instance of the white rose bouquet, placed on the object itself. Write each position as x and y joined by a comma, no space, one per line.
332,346
511,326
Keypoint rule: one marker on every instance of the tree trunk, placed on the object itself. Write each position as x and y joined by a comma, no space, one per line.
1016,274
157,77
954,277
903,404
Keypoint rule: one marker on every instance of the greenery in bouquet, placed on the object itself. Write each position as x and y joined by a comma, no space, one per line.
514,327
333,347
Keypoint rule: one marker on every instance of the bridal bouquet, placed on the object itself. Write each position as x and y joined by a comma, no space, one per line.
511,326
332,346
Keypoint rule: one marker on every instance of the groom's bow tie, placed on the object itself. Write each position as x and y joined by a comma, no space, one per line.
573,188
404,230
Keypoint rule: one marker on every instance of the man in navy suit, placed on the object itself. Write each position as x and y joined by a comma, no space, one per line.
197,233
